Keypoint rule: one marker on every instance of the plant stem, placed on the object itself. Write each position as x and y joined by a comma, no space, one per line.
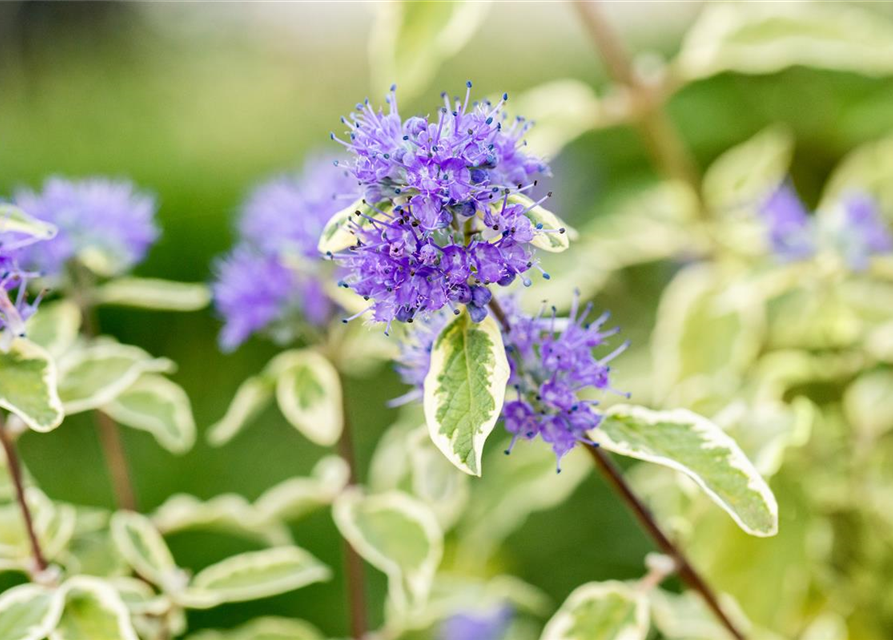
684,568
661,137
353,563
115,460
15,472
109,434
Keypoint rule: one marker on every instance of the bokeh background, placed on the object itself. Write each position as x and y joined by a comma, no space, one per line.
199,101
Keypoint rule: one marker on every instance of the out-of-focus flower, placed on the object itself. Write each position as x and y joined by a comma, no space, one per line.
105,222
863,232
272,276
788,225
487,625
442,217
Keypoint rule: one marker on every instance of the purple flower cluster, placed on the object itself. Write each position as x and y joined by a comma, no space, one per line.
552,362
270,278
487,625
15,308
97,215
854,228
440,220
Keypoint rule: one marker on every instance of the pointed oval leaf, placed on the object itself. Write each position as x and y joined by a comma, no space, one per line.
296,497
868,168
142,546
562,110
437,482
465,389
28,385
694,445
868,403
266,628
552,234
56,327
96,374
254,575
29,612
157,405
228,513
251,397
600,611
768,37
398,535
93,611
14,220
308,391
153,293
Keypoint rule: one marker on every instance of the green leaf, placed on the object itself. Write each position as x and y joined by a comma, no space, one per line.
152,293
55,327
93,611
410,40
746,175
552,234
868,403
252,396
465,389
14,220
340,231
768,37
515,487
308,390
396,534
142,546
157,405
228,513
267,628
600,611
296,497
28,385
139,598
254,575
562,110
95,375
690,443
684,616
29,612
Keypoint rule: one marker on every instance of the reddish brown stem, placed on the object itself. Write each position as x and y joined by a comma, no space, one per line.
15,472
353,563
115,460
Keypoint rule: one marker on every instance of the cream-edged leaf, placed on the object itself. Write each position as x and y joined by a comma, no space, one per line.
561,111
227,513
140,544
14,220
601,611
252,396
295,497
697,447
253,575
437,482
93,611
754,37
339,232
153,293
29,612
396,534
465,389
157,405
94,375
308,391
28,385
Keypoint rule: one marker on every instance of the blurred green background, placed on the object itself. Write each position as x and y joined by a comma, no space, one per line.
200,101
